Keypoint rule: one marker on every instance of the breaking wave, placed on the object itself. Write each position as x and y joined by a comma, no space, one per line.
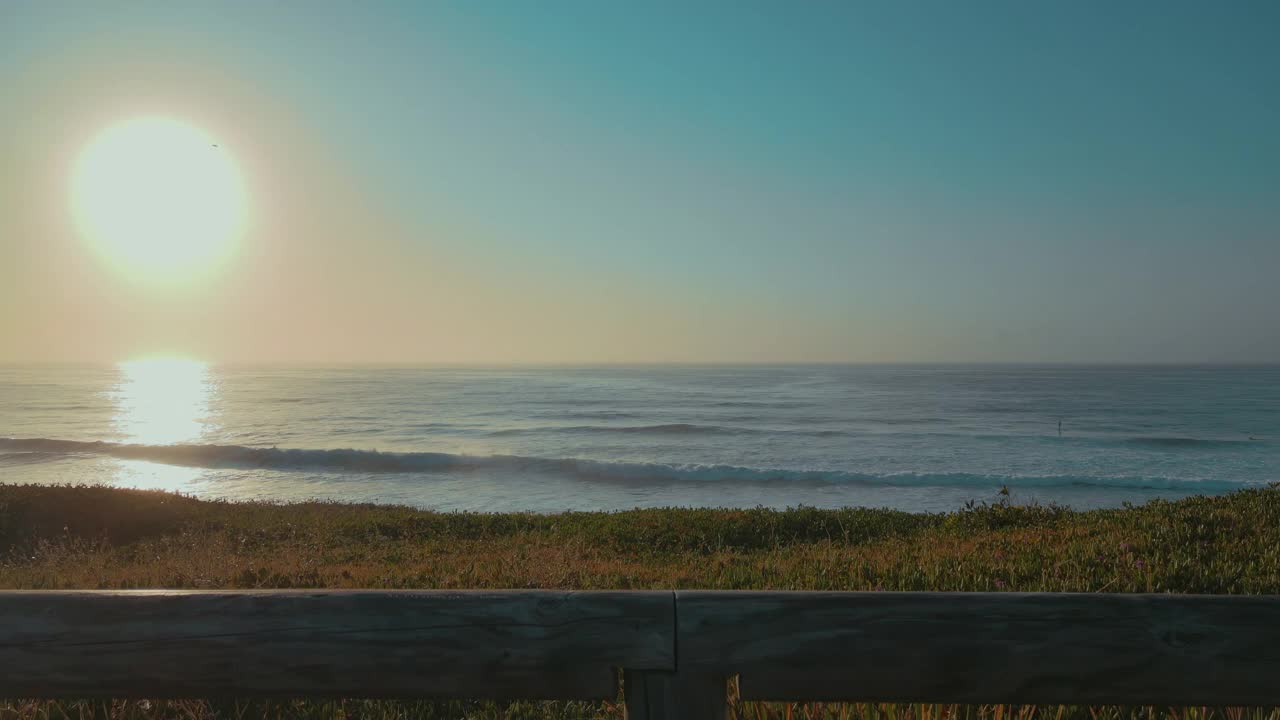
373,461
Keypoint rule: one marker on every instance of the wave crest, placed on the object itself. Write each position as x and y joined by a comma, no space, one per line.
373,461
662,429
1188,442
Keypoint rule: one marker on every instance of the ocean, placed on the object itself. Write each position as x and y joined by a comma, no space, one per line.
545,439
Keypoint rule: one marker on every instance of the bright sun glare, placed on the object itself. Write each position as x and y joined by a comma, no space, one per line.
158,198
162,400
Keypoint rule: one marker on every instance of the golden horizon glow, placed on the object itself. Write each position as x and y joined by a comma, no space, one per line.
162,400
159,199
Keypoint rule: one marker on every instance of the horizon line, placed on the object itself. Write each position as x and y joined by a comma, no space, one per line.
654,363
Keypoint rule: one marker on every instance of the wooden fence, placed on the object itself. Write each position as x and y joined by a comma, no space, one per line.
676,650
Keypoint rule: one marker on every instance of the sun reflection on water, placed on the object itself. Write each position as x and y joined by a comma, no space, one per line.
162,401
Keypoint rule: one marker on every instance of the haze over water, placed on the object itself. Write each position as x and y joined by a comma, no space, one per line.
915,437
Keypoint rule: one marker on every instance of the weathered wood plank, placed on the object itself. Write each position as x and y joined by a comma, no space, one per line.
987,648
516,644
1037,648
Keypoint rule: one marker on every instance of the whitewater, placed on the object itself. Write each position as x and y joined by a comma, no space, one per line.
544,439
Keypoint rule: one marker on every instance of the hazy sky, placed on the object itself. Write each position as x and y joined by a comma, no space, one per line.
686,181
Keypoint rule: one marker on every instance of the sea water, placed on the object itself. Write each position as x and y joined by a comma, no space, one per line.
919,438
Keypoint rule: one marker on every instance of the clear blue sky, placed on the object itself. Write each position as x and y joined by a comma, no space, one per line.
1007,181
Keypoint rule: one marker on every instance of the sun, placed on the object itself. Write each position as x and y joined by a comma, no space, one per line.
158,198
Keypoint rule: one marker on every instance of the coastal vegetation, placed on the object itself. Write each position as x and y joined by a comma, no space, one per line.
98,537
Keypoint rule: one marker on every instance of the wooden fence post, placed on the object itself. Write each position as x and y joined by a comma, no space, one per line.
659,695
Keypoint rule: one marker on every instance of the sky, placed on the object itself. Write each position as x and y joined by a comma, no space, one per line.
599,182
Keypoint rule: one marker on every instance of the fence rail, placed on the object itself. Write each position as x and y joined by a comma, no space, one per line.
676,649
286,643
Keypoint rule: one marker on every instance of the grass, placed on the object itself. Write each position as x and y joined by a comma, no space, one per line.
94,537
